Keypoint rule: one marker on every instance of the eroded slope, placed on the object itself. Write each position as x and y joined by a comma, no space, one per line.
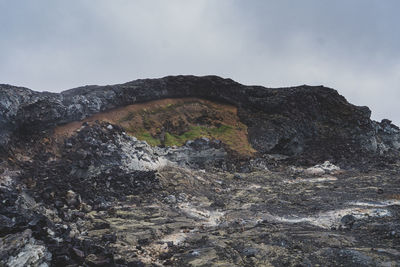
173,122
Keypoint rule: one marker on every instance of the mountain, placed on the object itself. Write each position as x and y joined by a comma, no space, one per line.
195,171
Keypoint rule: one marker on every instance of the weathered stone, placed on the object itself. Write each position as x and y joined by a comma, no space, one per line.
97,260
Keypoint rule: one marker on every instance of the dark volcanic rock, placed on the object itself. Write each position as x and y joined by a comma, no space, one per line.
310,120
95,196
91,168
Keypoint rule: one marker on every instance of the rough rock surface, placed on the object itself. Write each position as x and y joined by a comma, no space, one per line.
102,163
323,188
306,119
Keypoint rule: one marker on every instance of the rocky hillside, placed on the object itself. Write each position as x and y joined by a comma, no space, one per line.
196,171
173,122
291,121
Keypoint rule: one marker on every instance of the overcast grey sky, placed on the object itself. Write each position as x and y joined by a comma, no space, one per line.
350,45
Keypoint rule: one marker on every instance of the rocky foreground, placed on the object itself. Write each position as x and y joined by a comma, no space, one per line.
214,173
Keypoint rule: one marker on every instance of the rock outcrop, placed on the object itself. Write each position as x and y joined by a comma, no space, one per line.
310,120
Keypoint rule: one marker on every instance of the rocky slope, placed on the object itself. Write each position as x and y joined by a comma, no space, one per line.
287,121
225,177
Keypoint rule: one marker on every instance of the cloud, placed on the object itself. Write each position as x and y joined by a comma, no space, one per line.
348,45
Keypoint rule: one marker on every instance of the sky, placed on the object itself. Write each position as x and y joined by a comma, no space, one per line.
352,46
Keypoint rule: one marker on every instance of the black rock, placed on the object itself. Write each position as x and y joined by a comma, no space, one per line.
59,204
250,252
79,254
6,225
238,176
101,225
109,238
348,220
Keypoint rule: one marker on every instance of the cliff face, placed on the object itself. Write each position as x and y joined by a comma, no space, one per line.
312,120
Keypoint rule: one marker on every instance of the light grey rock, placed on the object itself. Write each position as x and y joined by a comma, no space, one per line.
321,169
21,249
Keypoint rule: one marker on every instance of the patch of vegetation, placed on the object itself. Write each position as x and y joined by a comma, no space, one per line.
172,140
166,107
143,135
224,132
147,123
179,140
173,122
